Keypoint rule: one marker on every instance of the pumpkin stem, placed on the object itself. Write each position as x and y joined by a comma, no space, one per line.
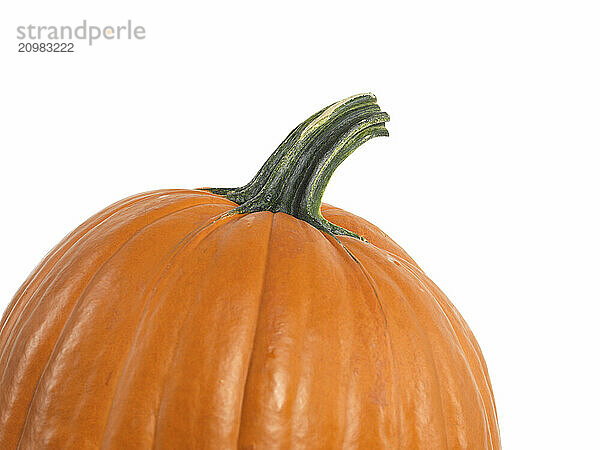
295,176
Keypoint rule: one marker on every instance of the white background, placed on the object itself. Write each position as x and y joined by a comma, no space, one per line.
489,178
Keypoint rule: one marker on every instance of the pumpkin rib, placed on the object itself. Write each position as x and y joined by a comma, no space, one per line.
35,274
253,345
76,305
429,347
66,245
130,415
462,352
367,276
12,335
370,291
434,369
186,240
46,284
166,265
181,246
216,350
351,393
467,365
110,210
460,345
34,296
479,354
373,234
468,335
291,328
178,247
476,352
304,382
434,366
124,244
344,255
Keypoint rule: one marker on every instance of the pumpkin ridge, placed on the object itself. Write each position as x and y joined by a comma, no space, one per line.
186,240
202,297
373,235
371,282
76,305
271,358
462,350
253,345
469,337
66,245
457,340
478,378
475,351
180,247
431,357
53,252
11,342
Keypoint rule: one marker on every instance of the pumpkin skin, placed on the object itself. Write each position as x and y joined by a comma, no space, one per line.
149,327
164,322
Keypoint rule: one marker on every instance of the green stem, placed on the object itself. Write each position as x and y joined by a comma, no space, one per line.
295,176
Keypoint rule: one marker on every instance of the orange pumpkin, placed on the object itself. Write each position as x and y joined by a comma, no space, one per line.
251,317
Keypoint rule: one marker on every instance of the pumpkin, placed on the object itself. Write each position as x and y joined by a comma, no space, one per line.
249,317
